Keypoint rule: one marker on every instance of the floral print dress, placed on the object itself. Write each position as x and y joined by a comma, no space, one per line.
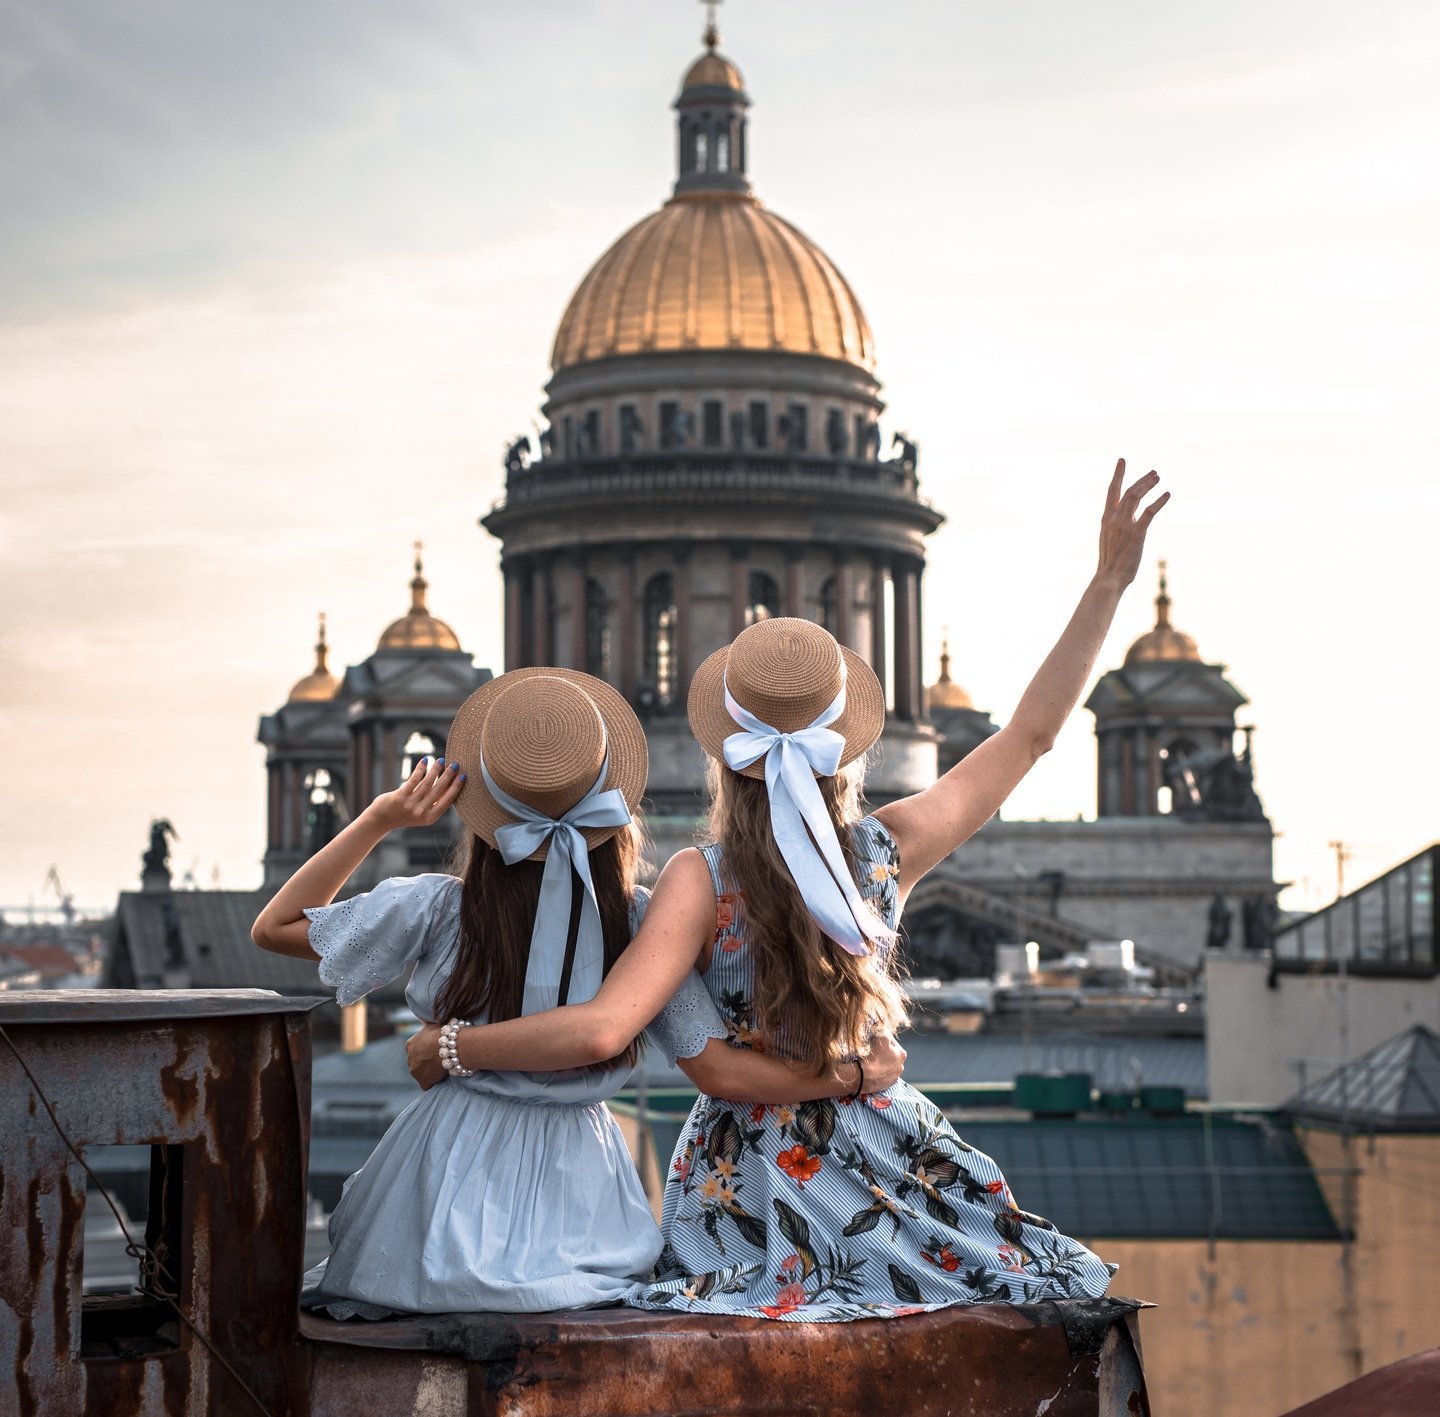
834,1210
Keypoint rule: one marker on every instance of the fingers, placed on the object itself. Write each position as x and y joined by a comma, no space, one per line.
1148,515
442,789
1118,477
1138,489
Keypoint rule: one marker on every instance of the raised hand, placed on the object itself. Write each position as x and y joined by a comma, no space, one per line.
422,799
1122,531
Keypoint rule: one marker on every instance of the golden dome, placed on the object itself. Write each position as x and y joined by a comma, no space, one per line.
319,684
713,270
1164,642
712,69
945,692
418,628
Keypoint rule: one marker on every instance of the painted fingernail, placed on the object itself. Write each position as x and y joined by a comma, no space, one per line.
454,766
424,762
462,777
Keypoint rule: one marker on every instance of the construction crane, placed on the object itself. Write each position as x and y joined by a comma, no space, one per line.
67,901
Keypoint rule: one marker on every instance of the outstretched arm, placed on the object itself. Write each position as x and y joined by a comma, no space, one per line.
928,826
420,801
678,921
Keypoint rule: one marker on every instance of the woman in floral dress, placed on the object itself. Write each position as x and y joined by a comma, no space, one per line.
827,1210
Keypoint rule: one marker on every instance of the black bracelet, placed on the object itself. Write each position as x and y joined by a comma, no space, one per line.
859,1086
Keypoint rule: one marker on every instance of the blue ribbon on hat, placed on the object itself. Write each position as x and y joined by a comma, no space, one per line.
569,856
800,820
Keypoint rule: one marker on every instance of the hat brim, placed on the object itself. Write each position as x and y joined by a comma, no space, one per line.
627,770
861,722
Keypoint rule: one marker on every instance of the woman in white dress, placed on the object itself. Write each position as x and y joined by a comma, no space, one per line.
508,1191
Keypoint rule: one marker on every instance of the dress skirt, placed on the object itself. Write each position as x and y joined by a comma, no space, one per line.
479,1202
821,1212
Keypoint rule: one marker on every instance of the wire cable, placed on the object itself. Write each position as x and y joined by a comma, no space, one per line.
151,1269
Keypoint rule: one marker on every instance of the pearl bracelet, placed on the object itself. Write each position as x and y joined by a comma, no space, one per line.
449,1056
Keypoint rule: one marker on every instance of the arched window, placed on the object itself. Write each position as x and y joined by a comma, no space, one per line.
702,152
597,631
763,600
661,620
417,746
722,152
323,809
830,605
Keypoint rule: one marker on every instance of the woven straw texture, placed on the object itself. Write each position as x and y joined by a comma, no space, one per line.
544,734
786,672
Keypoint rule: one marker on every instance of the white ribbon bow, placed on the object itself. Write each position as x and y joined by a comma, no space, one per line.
800,820
569,855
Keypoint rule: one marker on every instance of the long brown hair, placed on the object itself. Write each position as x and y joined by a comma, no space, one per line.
497,913
829,999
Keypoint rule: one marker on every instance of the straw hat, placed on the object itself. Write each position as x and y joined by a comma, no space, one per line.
786,672
544,734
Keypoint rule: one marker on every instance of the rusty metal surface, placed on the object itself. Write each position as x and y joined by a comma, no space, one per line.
23,1006
227,1080
987,1360
1409,1388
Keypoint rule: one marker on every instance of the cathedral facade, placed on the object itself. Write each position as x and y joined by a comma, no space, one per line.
711,454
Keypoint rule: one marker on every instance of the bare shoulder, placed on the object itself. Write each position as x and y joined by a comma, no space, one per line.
686,872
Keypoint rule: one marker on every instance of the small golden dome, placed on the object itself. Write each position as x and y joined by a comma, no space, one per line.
713,270
945,692
418,628
319,684
712,69
1164,642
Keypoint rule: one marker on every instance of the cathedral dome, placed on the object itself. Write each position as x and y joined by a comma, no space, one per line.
418,628
319,684
945,693
1164,642
712,70
714,270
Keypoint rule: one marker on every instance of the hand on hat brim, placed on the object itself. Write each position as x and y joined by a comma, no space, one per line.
422,799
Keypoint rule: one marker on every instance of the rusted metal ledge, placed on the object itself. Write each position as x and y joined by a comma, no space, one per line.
1060,1359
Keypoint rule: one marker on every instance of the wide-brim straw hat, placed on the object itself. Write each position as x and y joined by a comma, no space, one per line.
544,734
786,672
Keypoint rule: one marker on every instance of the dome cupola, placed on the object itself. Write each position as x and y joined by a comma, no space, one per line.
1164,642
418,628
319,685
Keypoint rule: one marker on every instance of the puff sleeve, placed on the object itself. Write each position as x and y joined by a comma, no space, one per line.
369,940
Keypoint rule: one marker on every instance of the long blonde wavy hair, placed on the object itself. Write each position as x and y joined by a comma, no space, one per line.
830,1000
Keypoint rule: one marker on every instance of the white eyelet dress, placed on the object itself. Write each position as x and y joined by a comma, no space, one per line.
827,1211
510,1192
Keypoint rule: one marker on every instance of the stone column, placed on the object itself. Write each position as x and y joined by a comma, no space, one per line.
540,612
906,706
625,613
272,804
294,807
918,572
739,584
388,760
877,618
794,595
1127,773
844,597
683,628
1151,804
579,618
514,629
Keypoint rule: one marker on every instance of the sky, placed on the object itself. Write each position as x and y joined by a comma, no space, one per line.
278,283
